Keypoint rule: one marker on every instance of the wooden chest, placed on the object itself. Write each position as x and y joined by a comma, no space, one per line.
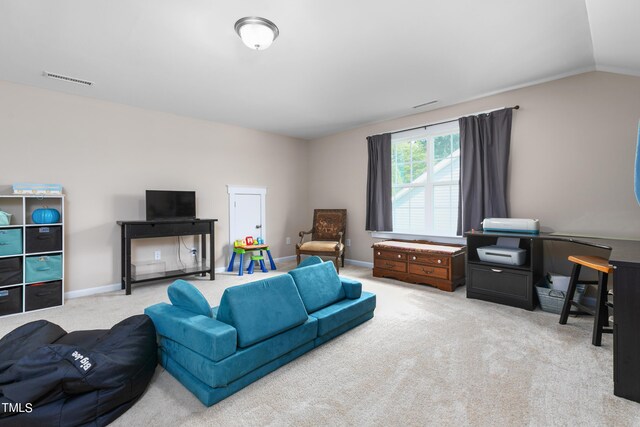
416,261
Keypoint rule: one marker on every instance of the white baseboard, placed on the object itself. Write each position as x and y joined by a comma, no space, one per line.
117,286
358,263
92,291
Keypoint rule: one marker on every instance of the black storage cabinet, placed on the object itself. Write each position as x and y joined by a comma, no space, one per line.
43,239
43,295
505,284
10,300
10,271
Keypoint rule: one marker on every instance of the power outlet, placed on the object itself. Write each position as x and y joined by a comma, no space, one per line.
288,240
194,252
157,255
348,242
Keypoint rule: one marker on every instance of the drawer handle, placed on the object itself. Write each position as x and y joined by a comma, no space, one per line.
495,270
424,270
439,261
399,256
414,258
388,264
378,253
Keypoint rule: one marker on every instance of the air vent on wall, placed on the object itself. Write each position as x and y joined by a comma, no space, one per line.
425,104
67,79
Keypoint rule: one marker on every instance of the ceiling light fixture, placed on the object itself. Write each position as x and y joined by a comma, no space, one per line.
256,33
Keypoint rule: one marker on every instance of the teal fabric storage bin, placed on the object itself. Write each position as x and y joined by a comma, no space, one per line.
43,268
10,241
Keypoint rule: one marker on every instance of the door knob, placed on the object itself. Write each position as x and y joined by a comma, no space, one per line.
258,226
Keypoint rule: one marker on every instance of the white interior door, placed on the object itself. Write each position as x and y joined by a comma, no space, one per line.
248,216
247,213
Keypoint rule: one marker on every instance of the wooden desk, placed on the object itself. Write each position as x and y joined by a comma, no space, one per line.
625,258
148,229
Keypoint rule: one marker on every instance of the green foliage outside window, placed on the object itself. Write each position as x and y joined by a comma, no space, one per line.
445,145
409,162
410,157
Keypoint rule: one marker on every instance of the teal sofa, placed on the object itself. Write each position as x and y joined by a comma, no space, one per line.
258,327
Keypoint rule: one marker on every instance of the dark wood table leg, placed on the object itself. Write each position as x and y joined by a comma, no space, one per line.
212,253
203,253
127,265
122,259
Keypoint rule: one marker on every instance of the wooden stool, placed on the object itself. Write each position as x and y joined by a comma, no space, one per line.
601,311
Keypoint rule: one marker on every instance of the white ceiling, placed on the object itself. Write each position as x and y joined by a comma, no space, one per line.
336,65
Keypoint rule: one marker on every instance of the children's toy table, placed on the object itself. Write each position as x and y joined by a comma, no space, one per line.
241,250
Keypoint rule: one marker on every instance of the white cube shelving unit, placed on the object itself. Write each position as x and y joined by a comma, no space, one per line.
32,295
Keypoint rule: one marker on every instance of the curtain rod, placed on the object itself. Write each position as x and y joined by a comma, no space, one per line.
515,107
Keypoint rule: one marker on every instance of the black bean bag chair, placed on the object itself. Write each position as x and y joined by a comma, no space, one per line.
52,378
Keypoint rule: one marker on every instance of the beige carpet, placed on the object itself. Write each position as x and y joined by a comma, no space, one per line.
426,358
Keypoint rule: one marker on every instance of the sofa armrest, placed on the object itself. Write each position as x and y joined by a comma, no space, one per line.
209,337
352,288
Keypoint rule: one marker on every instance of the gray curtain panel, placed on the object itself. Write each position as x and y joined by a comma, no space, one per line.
379,184
484,161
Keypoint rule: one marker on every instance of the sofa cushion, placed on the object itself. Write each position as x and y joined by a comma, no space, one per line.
210,395
186,296
209,337
262,309
243,361
312,260
352,288
344,311
321,246
319,285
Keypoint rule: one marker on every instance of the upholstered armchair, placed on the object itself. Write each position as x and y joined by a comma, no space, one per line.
327,234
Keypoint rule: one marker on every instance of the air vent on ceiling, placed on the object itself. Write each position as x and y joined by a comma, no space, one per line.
425,104
67,79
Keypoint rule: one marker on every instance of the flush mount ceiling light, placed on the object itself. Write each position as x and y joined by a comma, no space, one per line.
256,33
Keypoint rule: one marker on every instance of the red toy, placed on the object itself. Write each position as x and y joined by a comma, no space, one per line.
249,240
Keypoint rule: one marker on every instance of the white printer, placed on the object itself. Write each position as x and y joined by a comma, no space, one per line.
506,251
512,225
502,255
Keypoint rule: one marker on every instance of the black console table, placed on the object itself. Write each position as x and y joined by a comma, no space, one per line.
625,258
147,229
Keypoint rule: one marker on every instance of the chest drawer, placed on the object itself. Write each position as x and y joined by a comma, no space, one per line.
390,265
436,260
500,282
430,271
397,256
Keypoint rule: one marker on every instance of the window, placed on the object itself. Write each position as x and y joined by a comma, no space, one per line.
425,175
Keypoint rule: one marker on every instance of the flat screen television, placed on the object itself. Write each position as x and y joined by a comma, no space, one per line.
163,205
